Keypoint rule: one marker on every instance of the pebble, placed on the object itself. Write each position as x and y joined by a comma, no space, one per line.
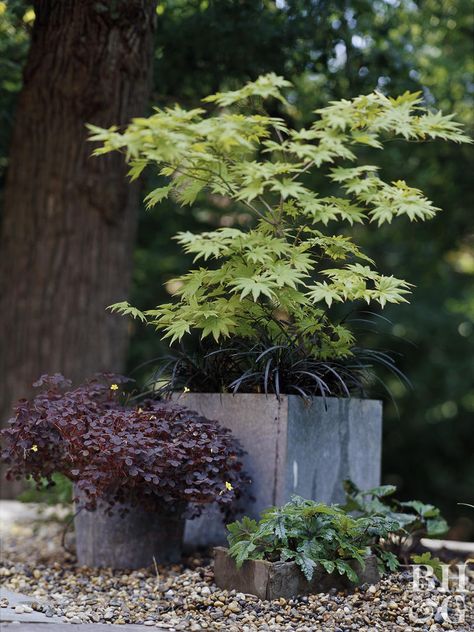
183,598
439,618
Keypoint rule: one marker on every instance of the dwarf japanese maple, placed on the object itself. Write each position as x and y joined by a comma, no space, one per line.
290,265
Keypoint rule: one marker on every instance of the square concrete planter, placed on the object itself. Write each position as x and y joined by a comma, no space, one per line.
293,447
273,580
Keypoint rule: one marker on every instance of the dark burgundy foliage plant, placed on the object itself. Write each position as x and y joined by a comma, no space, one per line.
154,455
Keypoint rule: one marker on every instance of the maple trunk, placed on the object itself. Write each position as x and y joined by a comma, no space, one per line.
69,219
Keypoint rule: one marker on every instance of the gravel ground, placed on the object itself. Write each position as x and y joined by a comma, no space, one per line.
183,597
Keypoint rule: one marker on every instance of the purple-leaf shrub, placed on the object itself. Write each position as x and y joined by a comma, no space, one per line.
154,454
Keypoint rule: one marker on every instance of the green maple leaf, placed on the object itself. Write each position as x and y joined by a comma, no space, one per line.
157,195
390,290
188,193
283,275
255,286
288,188
324,292
136,168
125,309
217,326
176,330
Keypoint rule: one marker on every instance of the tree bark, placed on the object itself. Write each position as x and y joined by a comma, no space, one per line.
69,219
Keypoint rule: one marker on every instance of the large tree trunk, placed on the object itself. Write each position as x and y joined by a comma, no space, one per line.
69,219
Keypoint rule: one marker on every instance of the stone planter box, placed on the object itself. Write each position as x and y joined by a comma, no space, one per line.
273,580
293,447
130,542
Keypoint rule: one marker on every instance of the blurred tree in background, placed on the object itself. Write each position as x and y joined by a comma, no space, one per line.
336,49
68,222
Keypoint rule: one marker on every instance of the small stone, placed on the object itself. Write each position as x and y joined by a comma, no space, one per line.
183,597
439,618
19,609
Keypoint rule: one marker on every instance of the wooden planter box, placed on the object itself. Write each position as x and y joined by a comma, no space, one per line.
273,580
293,447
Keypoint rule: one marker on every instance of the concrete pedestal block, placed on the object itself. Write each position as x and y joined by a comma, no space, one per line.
293,447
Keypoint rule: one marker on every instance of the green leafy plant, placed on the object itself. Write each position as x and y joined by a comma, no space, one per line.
416,519
288,267
311,534
433,562
56,491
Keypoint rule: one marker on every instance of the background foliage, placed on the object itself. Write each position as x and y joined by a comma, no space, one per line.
334,49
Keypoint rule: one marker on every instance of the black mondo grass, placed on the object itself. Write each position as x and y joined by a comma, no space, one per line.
285,365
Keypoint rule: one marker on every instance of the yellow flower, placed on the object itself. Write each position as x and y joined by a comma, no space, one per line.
34,448
114,387
186,390
228,487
